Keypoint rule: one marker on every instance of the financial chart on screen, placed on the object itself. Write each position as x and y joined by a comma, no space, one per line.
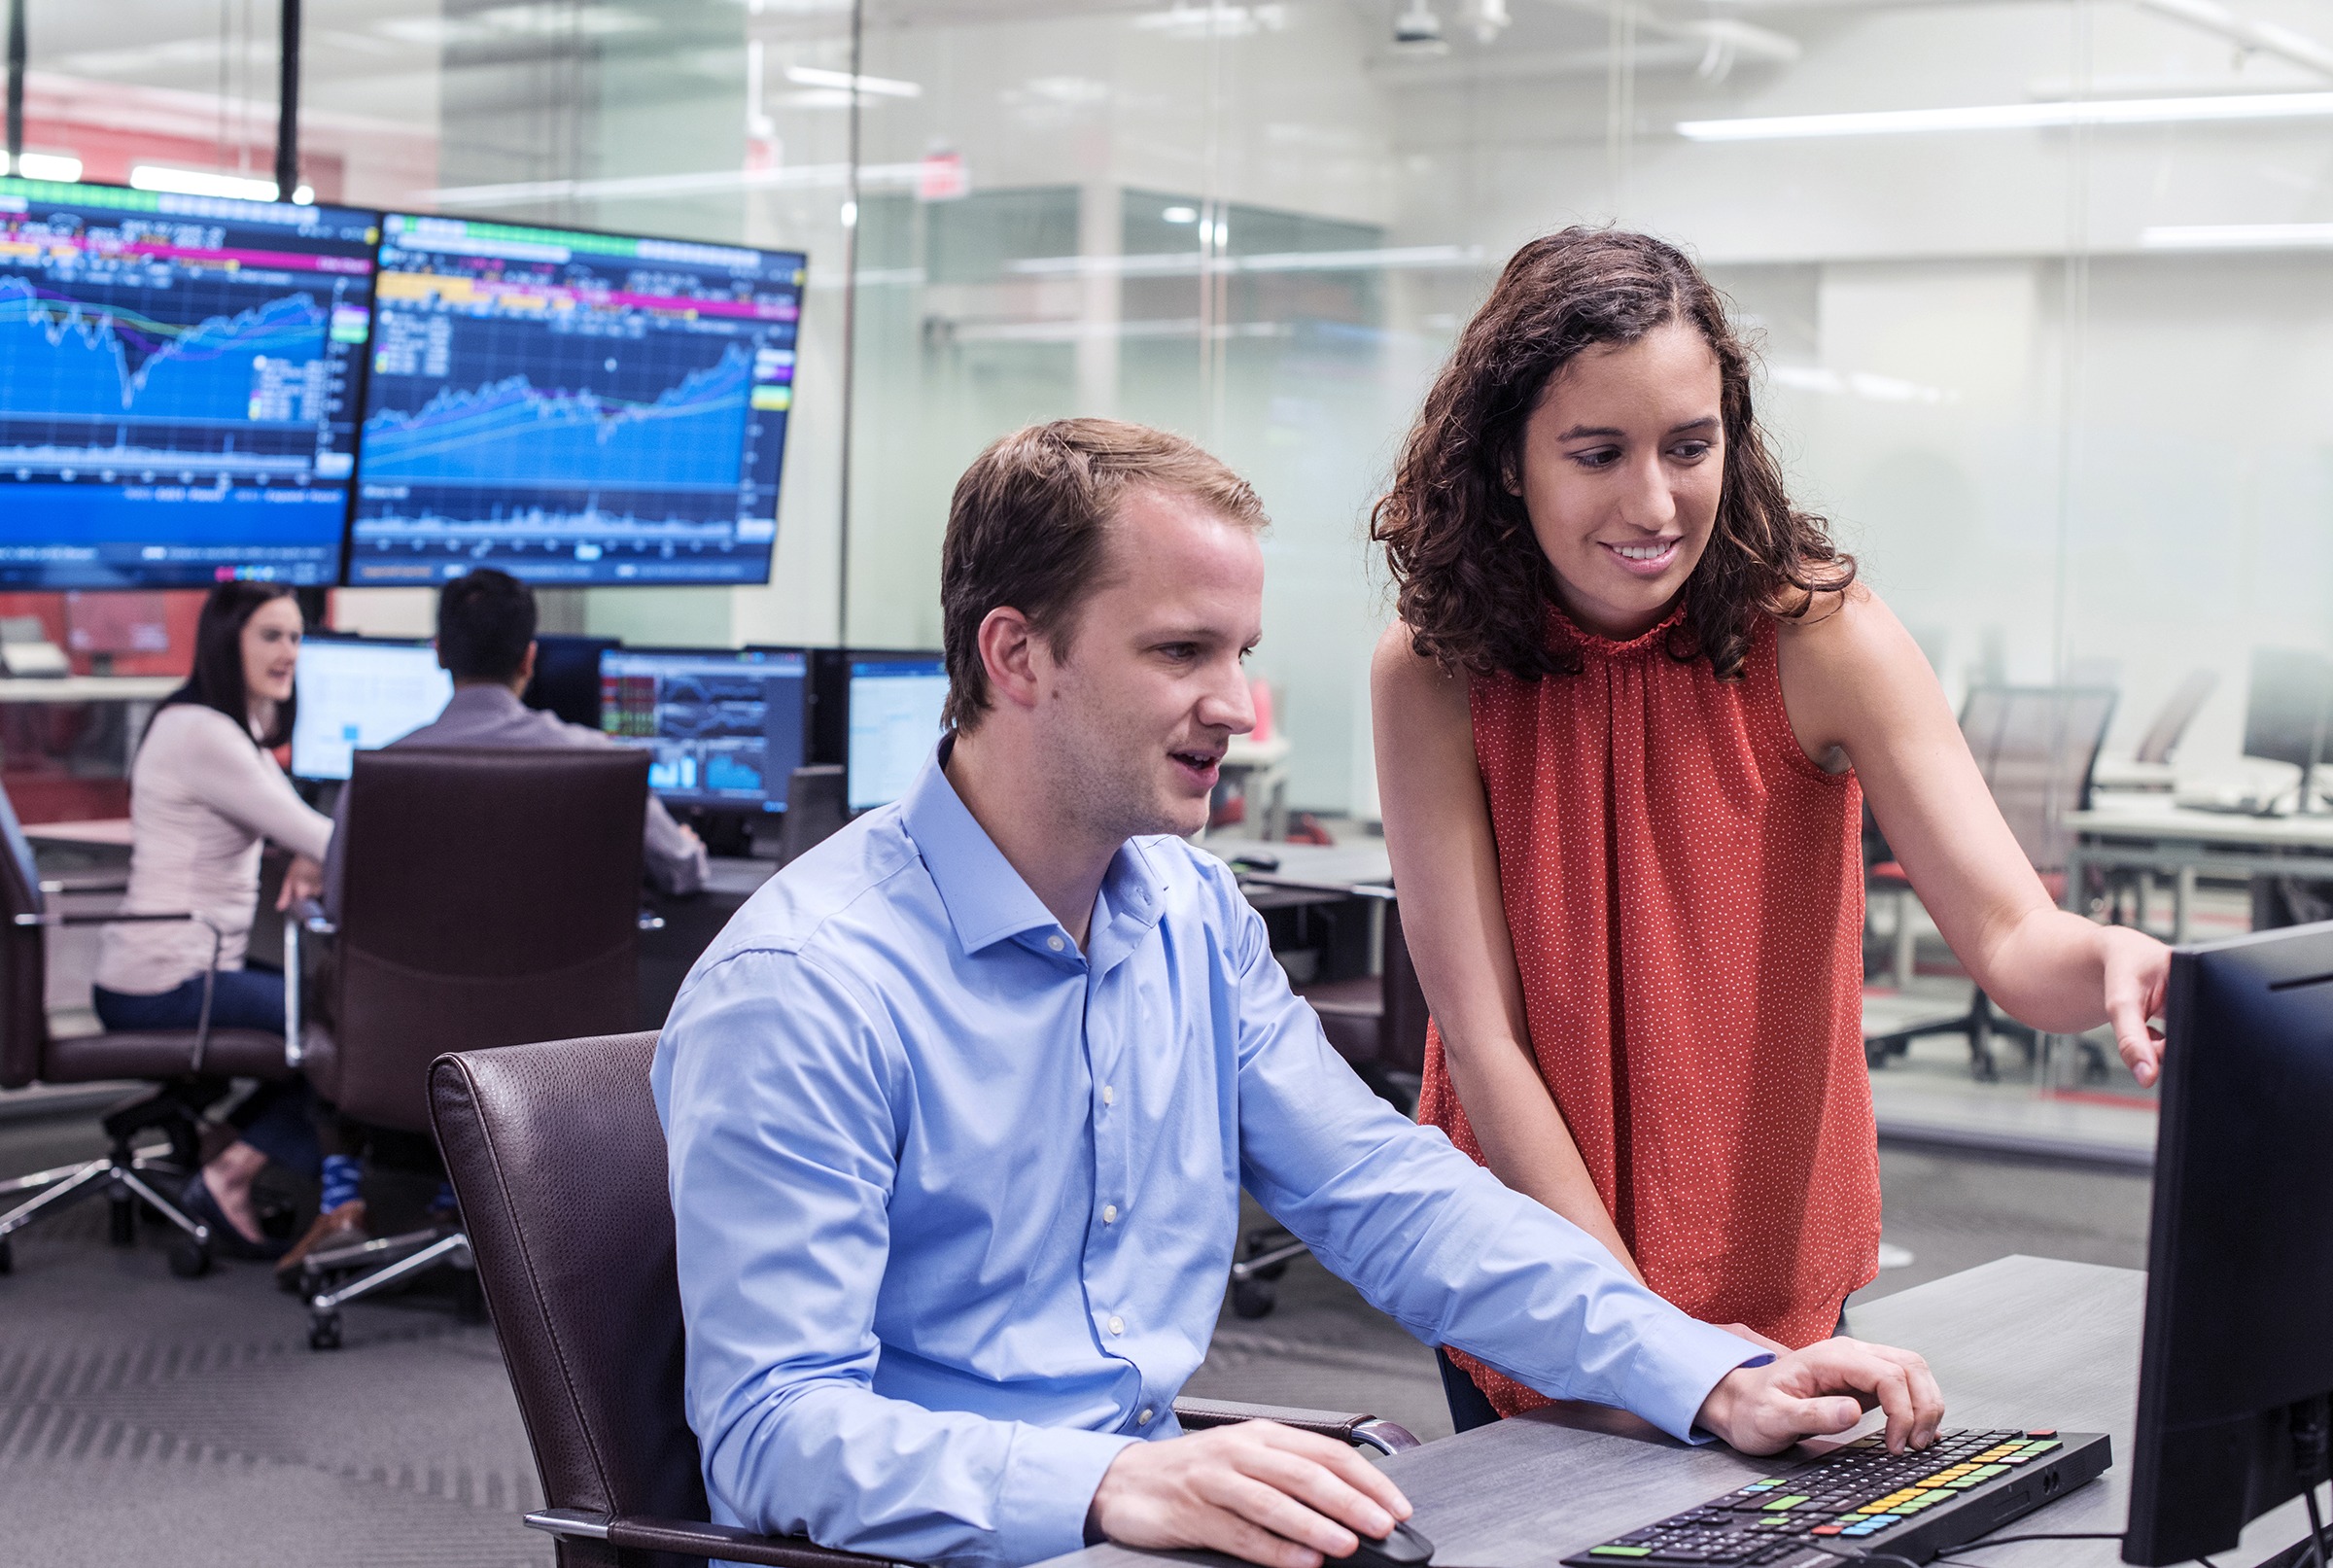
177,397
722,729
573,408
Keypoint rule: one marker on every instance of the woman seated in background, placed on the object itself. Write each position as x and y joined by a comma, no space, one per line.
204,791
1625,728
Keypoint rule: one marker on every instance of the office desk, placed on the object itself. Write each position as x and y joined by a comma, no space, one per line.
2150,833
2021,1342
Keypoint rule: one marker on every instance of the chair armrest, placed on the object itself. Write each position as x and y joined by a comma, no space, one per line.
690,1537
1359,1429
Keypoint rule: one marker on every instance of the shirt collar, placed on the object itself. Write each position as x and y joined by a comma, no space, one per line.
987,901
488,697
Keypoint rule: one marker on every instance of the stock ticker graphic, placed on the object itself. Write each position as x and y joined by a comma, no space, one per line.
722,729
175,397
573,408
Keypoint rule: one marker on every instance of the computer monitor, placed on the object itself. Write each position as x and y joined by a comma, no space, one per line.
360,692
2289,714
573,408
893,702
726,727
567,677
178,381
2237,1366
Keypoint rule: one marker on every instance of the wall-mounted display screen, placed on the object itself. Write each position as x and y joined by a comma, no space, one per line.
177,385
573,408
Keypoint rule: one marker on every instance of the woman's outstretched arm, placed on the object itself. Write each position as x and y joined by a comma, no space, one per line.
1446,866
1854,679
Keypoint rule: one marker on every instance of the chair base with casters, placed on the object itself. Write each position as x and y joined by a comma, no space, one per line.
129,1176
326,1285
1980,1024
588,1537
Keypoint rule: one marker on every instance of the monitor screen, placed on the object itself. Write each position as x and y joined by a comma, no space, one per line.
894,703
567,677
358,693
177,385
725,728
573,408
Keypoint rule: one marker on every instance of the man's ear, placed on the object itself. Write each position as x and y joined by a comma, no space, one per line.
1010,653
525,666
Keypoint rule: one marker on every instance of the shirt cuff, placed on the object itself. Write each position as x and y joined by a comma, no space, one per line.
1675,1373
1050,1476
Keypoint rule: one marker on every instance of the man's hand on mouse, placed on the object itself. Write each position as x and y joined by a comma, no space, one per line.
1822,1390
1258,1491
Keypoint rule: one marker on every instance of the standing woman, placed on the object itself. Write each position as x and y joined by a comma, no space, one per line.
203,793
1625,728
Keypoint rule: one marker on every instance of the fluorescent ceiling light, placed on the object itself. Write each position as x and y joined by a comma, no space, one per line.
44,166
1180,215
2237,238
203,182
2015,117
881,87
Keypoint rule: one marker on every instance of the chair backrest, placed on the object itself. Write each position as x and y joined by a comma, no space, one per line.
1401,1035
2162,737
559,1162
23,964
2036,746
488,898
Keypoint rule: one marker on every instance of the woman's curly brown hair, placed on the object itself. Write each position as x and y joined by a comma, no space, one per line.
1472,584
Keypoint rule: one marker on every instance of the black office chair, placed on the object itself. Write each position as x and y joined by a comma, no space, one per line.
559,1161
488,897
2036,746
191,1069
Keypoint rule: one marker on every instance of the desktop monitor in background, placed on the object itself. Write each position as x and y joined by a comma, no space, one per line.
2289,712
725,728
567,677
893,706
2237,1368
178,380
357,693
573,408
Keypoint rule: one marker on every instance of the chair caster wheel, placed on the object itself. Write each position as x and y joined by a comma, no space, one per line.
121,1221
189,1259
324,1331
8,1256
1253,1298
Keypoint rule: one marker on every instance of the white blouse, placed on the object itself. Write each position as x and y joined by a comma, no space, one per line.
201,797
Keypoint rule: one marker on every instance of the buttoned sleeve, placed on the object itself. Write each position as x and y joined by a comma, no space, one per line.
1432,1239
780,1093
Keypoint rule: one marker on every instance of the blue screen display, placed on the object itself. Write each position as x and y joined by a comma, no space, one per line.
722,729
573,408
177,396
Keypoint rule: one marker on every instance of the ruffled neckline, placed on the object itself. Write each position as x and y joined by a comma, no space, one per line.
1565,632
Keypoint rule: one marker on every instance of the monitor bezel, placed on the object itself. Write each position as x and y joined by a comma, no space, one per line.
348,520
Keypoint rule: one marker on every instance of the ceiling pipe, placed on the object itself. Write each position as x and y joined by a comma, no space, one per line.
2258,37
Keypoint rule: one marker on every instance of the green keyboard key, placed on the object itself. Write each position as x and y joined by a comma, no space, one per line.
1620,1551
1780,1503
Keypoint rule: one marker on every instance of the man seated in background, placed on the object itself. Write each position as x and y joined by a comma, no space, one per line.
960,1106
486,641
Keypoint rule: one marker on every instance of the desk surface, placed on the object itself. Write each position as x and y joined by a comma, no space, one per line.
2153,817
1359,860
2024,1342
89,688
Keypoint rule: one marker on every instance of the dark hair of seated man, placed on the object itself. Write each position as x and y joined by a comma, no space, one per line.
485,621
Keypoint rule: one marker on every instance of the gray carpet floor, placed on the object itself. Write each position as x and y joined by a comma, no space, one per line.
148,1419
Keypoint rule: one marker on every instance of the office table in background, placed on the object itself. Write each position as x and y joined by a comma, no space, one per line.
2150,833
138,694
2020,1342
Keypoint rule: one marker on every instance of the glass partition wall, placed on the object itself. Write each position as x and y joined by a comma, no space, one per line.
2041,284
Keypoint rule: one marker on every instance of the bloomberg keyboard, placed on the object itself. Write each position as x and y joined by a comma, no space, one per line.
1862,1499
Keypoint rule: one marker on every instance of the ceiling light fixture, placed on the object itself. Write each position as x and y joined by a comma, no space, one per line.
60,166
2237,238
875,86
2015,117
203,182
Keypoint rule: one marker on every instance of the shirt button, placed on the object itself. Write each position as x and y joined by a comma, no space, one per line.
1109,1213
1117,1325
1143,1419
1054,942
1109,1095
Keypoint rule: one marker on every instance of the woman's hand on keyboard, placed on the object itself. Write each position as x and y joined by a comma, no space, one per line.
1822,1390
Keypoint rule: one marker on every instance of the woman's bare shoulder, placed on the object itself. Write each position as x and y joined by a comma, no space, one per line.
1400,675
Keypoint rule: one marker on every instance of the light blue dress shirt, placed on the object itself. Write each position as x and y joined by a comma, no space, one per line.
956,1201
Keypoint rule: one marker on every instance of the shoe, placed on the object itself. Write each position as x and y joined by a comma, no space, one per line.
195,1201
338,1227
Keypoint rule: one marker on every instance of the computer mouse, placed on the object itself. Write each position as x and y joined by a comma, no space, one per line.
1255,860
1406,1548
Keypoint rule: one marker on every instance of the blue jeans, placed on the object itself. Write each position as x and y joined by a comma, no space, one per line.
276,1118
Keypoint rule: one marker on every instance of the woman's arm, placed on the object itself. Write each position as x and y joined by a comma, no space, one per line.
1854,679
225,772
1446,866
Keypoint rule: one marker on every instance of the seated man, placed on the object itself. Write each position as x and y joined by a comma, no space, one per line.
959,1106
486,641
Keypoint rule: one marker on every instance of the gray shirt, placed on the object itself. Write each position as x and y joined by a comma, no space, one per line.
492,717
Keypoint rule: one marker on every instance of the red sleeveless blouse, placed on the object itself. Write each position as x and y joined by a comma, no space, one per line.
1686,896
